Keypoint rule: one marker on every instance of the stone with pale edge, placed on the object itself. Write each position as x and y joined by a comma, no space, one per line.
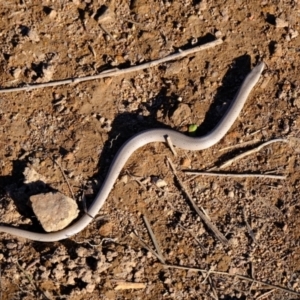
55,211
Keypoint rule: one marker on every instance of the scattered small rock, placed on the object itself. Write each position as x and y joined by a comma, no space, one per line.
33,35
59,272
214,186
81,251
54,210
106,16
86,276
32,175
218,34
90,287
292,34
231,194
48,72
203,5
124,179
11,246
110,255
106,229
17,73
185,162
53,14
182,113
159,182
280,23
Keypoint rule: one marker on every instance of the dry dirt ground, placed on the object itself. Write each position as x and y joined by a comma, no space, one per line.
83,125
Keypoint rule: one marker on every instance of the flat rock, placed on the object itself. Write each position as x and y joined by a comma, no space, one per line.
280,23
181,114
54,210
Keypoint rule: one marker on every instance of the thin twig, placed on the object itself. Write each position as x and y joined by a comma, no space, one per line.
265,294
242,155
115,72
250,231
130,286
31,282
65,177
193,235
154,241
136,237
208,223
234,175
234,275
245,144
106,31
170,144
212,286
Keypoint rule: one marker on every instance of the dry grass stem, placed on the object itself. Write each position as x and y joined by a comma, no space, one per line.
32,283
203,271
242,155
154,241
65,177
136,237
250,231
170,144
106,31
129,285
115,72
245,144
233,175
265,294
208,223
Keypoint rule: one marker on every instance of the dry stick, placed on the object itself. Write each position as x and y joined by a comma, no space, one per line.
106,31
136,237
154,241
231,161
31,281
250,231
65,177
116,72
199,173
234,275
214,293
265,294
208,223
170,144
130,285
245,144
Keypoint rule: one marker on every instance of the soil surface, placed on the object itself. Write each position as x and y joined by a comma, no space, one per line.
80,127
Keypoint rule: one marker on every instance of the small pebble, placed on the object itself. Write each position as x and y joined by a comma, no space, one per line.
279,23
159,182
90,287
203,5
231,194
106,229
218,34
53,14
11,246
185,162
33,35
214,186
17,72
